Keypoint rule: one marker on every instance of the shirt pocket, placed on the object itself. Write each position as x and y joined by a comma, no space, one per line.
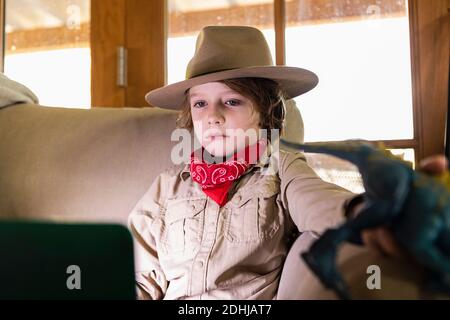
255,216
183,225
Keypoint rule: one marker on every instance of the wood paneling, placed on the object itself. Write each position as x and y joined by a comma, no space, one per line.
2,33
139,26
107,33
429,25
146,42
280,26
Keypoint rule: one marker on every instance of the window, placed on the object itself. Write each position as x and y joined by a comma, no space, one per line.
47,49
361,51
186,18
74,46
350,44
361,54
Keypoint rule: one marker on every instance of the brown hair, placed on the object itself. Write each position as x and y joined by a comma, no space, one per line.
266,95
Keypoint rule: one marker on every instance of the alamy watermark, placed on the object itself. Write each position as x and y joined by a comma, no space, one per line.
374,280
235,139
73,282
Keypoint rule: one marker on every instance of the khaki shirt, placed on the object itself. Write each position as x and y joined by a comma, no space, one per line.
187,247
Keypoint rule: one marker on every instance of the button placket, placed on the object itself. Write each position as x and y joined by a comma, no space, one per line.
199,272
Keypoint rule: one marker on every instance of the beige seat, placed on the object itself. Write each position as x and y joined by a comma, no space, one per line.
74,164
94,165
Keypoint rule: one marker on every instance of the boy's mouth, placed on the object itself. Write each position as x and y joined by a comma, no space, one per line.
215,135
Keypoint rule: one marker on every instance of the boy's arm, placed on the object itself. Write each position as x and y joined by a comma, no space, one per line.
150,279
314,205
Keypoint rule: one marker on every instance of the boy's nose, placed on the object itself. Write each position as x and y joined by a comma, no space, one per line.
215,117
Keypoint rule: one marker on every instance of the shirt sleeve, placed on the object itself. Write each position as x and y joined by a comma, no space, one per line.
314,205
150,279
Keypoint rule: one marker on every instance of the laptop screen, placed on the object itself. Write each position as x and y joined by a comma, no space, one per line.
65,261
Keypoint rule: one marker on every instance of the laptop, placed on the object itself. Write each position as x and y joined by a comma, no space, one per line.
66,261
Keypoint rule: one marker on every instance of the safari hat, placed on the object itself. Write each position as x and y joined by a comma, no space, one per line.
227,52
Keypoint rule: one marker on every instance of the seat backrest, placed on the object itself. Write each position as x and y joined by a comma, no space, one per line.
75,164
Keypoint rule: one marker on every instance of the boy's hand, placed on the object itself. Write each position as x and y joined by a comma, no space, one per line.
381,238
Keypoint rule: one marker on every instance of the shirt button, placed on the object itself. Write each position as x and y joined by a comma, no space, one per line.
200,264
193,207
238,198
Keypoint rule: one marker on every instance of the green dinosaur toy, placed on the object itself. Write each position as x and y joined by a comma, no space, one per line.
415,206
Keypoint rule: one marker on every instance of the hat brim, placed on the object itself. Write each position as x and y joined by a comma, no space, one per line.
295,81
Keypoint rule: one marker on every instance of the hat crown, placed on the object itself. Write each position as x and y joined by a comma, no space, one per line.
221,48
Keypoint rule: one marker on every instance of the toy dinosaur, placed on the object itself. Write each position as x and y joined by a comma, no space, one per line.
415,206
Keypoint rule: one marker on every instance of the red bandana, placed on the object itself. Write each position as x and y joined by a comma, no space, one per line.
216,179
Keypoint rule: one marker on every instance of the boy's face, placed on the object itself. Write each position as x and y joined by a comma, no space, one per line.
224,120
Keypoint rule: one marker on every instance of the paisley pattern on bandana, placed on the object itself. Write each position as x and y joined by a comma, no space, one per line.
216,179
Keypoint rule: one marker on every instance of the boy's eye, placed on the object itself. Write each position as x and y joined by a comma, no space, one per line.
233,102
199,104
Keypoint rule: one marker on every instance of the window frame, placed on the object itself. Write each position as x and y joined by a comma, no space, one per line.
115,24
428,20
429,127
429,38
2,34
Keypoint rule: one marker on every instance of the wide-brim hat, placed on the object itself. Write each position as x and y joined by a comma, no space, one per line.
227,52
